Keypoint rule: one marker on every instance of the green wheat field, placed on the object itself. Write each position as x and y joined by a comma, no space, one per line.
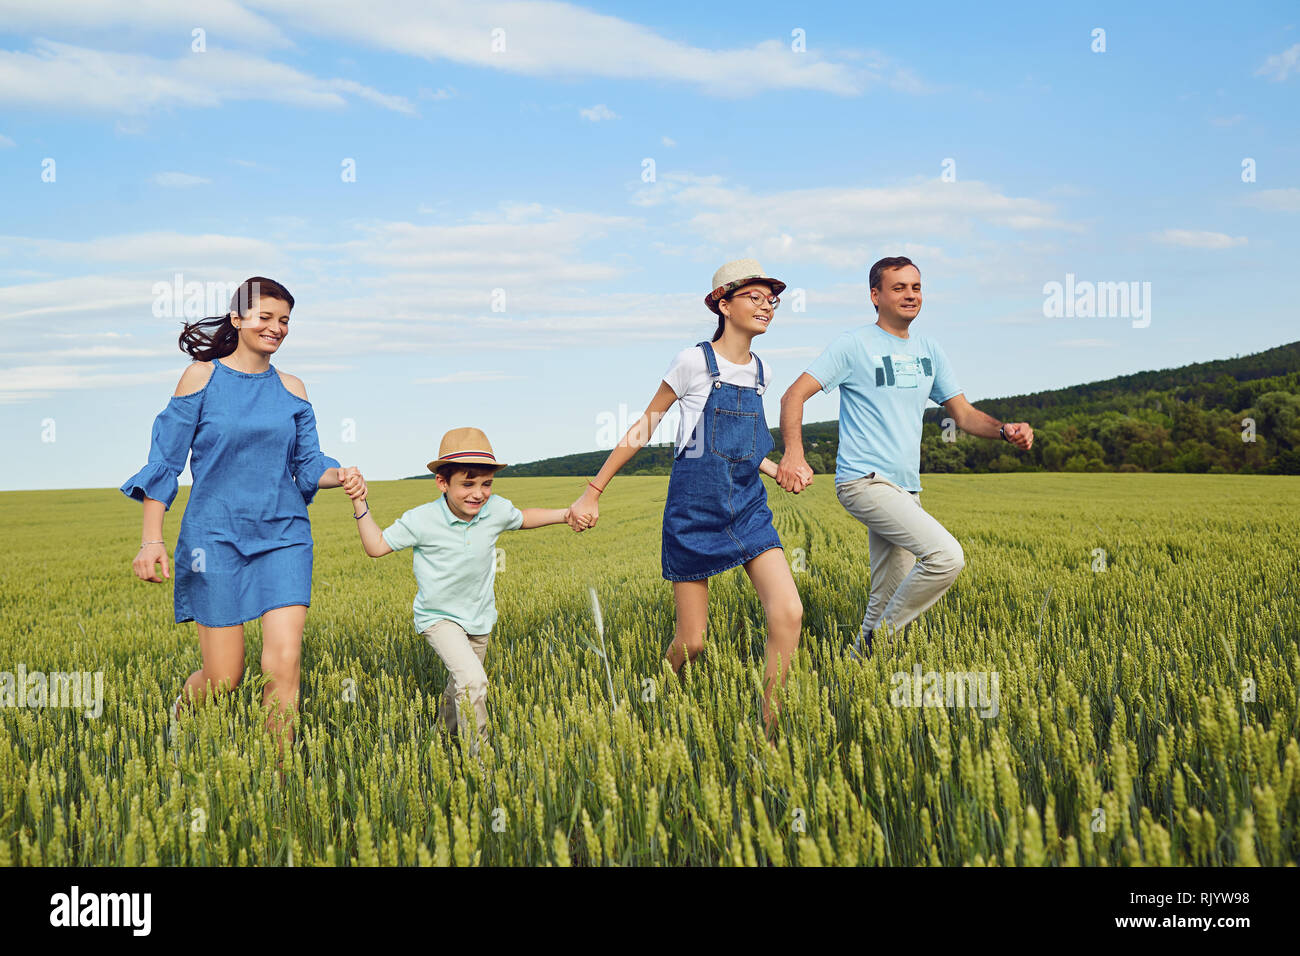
1147,713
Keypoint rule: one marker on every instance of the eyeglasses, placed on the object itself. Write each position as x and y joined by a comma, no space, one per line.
760,300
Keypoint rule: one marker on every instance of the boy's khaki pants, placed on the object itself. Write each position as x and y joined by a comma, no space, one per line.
914,559
463,654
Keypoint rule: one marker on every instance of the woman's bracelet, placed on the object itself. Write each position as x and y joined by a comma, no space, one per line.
363,514
599,491
143,543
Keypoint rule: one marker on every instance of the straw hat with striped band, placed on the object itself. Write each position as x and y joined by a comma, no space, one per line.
735,274
465,446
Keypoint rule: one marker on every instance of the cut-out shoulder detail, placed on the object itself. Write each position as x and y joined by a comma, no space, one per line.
293,385
194,379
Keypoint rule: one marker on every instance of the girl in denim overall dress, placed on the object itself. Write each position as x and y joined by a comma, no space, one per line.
716,515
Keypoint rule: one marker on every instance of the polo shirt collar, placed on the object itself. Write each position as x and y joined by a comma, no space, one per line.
451,517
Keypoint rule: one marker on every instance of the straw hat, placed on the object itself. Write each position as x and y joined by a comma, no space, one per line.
465,446
736,274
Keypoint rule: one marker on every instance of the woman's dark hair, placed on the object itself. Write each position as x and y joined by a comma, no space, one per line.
215,337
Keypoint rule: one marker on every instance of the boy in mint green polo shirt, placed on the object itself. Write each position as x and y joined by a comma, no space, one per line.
454,543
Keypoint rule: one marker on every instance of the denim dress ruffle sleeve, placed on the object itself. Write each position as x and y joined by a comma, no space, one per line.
169,449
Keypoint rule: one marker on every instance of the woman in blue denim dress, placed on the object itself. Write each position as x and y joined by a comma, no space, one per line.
245,548
716,515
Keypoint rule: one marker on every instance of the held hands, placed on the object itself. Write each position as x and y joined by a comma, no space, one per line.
572,521
583,513
147,558
794,474
1019,434
352,482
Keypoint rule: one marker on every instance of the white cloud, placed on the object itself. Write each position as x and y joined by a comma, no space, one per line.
669,142
6,142
1198,239
162,251
846,227
519,244
1085,343
26,382
87,335
175,180
306,368
597,113
397,104
796,351
458,377
1279,200
1281,65
62,76
669,185
165,17
93,352
69,298
561,39
540,39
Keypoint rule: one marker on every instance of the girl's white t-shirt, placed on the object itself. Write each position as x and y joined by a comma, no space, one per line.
688,376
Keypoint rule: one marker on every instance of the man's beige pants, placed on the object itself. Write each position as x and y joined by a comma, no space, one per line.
463,654
913,558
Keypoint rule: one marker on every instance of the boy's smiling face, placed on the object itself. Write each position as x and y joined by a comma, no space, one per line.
467,492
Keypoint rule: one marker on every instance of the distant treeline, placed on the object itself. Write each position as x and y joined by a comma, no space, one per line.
1232,415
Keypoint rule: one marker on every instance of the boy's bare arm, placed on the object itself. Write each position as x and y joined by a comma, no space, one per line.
372,539
540,517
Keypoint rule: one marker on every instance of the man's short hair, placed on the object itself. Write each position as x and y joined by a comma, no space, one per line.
889,262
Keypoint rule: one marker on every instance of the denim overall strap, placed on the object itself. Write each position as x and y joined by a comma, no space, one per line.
716,375
712,363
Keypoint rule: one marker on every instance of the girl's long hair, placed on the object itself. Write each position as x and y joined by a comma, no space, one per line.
215,337
722,324
722,319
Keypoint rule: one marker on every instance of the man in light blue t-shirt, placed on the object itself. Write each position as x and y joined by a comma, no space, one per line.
885,374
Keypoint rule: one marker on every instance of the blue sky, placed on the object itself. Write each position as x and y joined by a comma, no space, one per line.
524,170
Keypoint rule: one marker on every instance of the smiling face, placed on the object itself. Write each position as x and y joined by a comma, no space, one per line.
467,492
746,314
898,298
264,328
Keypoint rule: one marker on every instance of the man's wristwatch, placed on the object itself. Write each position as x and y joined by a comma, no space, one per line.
1002,430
